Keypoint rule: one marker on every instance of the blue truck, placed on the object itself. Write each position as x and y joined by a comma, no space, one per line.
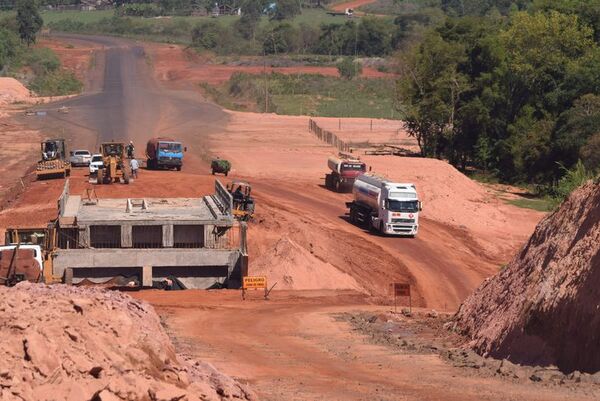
164,153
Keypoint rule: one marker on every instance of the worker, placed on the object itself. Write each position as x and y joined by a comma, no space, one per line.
130,150
134,167
238,196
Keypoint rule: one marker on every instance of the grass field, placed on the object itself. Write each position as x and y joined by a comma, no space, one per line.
308,94
539,204
313,17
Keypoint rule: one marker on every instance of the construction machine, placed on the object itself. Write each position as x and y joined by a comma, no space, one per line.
114,165
243,203
54,161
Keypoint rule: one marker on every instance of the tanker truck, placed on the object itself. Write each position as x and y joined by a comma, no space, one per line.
385,206
344,170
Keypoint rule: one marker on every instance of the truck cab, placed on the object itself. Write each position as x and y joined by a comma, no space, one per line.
382,205
164,153
399,210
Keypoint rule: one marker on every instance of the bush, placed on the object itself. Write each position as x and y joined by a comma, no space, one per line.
590,153
348,68
280,38
140,10
42,61
56,83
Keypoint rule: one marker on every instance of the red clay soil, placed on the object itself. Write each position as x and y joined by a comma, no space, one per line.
294,347
542,309
75,343
173,63
75,56
341,7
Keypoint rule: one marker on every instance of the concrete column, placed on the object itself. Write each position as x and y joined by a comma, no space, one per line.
84,236
147,276
209,237
167,235
68,276
126,240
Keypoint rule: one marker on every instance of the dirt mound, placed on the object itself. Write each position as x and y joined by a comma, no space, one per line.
12,91
543,307
68,343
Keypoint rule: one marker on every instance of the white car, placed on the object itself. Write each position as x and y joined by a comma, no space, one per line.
80,157
95,163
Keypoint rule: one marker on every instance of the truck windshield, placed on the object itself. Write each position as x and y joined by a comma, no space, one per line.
402,206
170,147
353,167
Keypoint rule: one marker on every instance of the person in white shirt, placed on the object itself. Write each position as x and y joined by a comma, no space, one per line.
134,167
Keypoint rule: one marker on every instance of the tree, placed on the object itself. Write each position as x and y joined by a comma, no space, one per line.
348,68
429,90
280,37
286,9
590,153
9,44
251,13
29,20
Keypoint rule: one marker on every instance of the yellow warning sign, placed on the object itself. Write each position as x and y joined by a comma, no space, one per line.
254,282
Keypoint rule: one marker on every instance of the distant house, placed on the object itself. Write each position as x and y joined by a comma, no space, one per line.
225,9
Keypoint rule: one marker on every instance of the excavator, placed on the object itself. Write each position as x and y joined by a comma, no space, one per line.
114,168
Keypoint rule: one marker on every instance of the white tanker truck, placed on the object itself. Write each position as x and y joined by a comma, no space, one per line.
385,206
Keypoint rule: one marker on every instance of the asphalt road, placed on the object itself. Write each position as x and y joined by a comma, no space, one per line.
126,103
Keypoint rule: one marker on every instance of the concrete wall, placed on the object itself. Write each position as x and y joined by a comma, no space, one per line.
198,268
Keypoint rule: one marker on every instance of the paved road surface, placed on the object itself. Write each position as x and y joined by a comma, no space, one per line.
125,103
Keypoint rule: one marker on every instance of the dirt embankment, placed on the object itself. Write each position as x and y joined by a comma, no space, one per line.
543,307
68,343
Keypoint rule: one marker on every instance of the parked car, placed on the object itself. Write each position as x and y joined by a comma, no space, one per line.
95,163
80,157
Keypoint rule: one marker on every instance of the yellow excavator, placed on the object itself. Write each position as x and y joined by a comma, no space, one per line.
114,166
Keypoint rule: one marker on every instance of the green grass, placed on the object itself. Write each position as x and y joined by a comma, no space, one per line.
545,204
314,17
308,94
81,16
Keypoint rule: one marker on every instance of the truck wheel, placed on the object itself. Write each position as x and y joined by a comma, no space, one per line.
328,181
213,172
227,172
149,164
178,168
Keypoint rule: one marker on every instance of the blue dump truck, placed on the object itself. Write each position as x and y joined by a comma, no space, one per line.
164,153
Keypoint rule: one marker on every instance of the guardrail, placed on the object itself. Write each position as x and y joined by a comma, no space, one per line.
328,136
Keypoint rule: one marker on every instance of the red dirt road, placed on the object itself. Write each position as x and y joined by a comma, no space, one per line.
292,348
341,7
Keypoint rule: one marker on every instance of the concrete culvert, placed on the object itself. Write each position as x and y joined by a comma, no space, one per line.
544,307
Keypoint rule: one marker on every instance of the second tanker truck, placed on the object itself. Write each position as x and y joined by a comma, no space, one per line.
385,206
344,170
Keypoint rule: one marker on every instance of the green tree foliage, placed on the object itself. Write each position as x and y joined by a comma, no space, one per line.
29,20
280,37
349,69
516,97
285,9
252,10
9,48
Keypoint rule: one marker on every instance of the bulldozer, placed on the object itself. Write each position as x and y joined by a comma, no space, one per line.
243,203
114,168
53,162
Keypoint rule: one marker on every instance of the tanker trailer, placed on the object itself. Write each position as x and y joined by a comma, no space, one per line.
344,171
385,206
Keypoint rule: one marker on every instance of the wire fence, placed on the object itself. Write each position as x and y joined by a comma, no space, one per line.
328,136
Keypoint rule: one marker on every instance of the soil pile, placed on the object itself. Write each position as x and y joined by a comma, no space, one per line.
68,343
543,307
12,91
